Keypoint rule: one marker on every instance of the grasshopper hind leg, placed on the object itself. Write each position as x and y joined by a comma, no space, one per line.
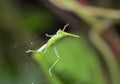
58,58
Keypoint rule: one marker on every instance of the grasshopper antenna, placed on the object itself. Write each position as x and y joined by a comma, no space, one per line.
65,26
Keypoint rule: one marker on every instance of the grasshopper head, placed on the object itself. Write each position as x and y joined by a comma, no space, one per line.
62,32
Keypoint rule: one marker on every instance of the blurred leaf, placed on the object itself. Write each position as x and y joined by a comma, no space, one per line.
37,20
78,63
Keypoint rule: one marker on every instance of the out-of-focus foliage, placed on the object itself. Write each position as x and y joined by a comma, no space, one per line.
36,20
24,23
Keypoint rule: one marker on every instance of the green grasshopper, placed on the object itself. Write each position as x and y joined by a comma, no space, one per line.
51,43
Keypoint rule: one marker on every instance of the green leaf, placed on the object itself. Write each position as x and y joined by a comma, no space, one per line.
78,63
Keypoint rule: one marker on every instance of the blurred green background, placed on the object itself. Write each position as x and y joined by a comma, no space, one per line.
91,59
